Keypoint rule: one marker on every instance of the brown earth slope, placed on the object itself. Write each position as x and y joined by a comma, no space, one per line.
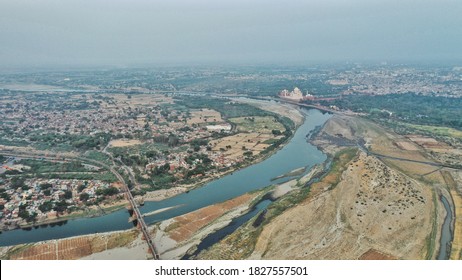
366,207
372,207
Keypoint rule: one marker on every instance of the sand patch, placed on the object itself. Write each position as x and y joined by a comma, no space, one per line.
404,145
124,143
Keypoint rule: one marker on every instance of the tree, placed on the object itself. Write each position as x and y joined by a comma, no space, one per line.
108,191
173,141
248,153
276,132
67,194
84,196
61,206
17,183
46,206
45,186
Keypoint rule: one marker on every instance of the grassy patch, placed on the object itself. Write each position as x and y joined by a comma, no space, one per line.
225,107
43,166
236,246
287,201
98,156
104,176
121,239
270,141
339,164
438,130
17,143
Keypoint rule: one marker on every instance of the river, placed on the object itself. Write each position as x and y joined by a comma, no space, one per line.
297,153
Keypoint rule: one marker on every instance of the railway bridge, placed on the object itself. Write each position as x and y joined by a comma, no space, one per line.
141,224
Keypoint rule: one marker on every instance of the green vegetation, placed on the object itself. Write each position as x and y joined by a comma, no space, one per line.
270,141
411,108
81,142
17,182
84,196
287,201
98,156
59,170
225,107
435,130
170,140
244,238
42,166
197,143
107,191
103,176
339,164
17,143
266,124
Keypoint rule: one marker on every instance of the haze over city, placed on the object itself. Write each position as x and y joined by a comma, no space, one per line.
118,33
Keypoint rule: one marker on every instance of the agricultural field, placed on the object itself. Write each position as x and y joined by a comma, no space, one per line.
70,248
235,146
438,130
123,143
139,100
263,125
255,134
204,116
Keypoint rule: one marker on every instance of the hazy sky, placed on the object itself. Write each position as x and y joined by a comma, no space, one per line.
117,32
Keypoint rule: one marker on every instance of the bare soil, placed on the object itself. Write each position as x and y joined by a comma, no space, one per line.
124,143
343,223
375,255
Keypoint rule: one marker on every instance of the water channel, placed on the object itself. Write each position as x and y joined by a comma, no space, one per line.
446,233
297,153
235,223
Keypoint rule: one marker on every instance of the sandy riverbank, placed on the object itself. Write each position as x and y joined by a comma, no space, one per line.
136,250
